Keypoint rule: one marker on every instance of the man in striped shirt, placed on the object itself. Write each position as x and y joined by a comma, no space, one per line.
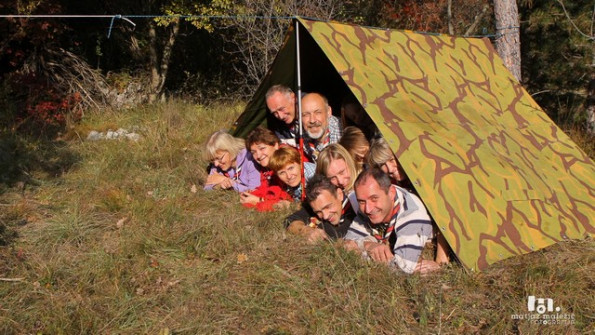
392,226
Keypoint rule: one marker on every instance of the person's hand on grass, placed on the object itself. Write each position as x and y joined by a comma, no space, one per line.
283,204
226,184
425,266
215,179
314,235
379,252
248,198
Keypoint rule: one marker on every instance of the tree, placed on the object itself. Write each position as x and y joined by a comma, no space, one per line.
455,17
254,42
254,38
43,82
160,55
508,43
590,36
159,61
558,57
150,46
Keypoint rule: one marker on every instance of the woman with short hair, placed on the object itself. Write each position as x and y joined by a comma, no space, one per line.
232,166
286,164
270,195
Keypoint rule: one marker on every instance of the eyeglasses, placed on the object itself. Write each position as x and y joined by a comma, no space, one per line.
219,159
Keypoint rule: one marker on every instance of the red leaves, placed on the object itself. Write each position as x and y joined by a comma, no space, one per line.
52,110
417,15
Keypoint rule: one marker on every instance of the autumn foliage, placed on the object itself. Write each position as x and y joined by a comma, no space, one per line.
55,110
37,102
417,15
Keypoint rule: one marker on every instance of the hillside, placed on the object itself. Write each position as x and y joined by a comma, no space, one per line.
117,236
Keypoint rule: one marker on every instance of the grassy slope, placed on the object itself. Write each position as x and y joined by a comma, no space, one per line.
119,243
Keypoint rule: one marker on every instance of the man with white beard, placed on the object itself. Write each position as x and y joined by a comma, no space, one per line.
322,128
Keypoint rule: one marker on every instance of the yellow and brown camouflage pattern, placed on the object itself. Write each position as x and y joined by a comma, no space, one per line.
497,175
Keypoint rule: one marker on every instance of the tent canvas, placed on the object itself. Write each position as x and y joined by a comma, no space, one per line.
497,175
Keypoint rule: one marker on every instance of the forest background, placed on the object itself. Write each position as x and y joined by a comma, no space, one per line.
53,69
118,237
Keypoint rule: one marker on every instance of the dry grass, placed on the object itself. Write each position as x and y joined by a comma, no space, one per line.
118,243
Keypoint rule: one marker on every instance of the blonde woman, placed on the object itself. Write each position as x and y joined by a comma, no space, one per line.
336,164
232,165
355,142
381,156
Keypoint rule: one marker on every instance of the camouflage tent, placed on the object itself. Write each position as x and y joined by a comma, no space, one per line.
496,174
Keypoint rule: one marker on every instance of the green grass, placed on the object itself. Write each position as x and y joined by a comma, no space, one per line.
111,239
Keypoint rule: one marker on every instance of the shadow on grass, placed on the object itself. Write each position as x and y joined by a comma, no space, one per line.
7,234
21,157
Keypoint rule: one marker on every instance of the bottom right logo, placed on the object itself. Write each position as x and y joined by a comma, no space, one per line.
544,312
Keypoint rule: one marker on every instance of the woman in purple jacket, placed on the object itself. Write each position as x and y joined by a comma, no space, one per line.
232,165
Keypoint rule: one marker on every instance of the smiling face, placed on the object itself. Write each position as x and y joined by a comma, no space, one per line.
282,106
338,173
262,152
328,206
315,115
374,201
290,174
223,160
392,169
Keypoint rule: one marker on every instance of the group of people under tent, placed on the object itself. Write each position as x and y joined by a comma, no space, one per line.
348,181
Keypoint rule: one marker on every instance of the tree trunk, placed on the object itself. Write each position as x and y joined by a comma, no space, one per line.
160,65
590,106
451,29
508,42
153,63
